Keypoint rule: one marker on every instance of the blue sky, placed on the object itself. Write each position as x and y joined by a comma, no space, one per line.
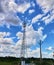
39,18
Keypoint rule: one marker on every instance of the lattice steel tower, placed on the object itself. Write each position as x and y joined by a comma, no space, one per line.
23,46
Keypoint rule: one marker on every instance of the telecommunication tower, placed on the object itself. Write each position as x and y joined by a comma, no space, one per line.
23,46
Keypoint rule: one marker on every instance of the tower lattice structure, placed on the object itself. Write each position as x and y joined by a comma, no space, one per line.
23,46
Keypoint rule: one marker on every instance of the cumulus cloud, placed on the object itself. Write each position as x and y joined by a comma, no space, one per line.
50,48
22,8
4,38
22,5
36,53
36,18
48,11
6,50
9,19
4,34
8,10
13,20
7,13
47,55
6,45
32,36
11,6
7,5
48,19
9,50
47,6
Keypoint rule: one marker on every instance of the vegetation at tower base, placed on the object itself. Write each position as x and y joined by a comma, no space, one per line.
16,61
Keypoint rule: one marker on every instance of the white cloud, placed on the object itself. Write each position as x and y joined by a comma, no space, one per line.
4,39
15,50
19,35
7,7
6,50
10,20
13,20
32,36
7,47
4,34
22,8
36,18
7,17
8,10
31,11
47,6
50,48
45,18
22,5
36,53
8,34
48,19
9,50
11,6
47,55
1,16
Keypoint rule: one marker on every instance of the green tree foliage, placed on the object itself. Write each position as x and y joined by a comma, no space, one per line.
16,61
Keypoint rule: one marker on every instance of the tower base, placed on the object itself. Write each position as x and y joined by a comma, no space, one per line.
22,62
